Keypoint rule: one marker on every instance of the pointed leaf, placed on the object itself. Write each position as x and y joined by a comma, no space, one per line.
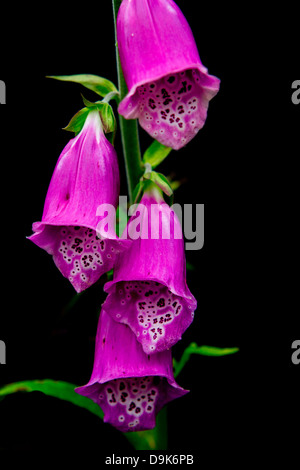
156,153
99,85
193,348
53,388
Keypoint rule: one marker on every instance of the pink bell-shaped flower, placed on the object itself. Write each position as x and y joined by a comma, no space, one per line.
85,177
169,88
128,385
149,290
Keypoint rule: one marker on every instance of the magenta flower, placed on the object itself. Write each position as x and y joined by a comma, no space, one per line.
128,385
86,175
149,291
169,88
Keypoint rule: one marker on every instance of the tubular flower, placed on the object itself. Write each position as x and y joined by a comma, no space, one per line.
128,385
86,175
149,291
169,88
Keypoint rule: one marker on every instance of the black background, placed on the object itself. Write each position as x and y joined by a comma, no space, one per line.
241,165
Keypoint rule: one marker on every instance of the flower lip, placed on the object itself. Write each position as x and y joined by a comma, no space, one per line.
80,255
131,403
156,315
212,89
186,294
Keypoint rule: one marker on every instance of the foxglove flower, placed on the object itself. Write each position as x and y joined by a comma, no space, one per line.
128,385
86,176
169,88
149,290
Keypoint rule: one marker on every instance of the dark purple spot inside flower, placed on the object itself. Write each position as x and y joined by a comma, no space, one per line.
151,103
165,94
113,399
183,88
161,302
150,292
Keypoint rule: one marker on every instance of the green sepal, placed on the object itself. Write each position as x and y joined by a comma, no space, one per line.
160,180
156,153
99,85
106,113
77,121
107,116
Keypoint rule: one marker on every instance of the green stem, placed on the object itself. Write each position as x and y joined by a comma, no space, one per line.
128,127
157,437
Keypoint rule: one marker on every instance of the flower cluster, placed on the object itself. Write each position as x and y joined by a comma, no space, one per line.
148,305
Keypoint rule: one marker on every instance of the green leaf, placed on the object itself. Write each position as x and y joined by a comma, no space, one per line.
156,153
193,348
53,388
99,85
142,440
160,180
